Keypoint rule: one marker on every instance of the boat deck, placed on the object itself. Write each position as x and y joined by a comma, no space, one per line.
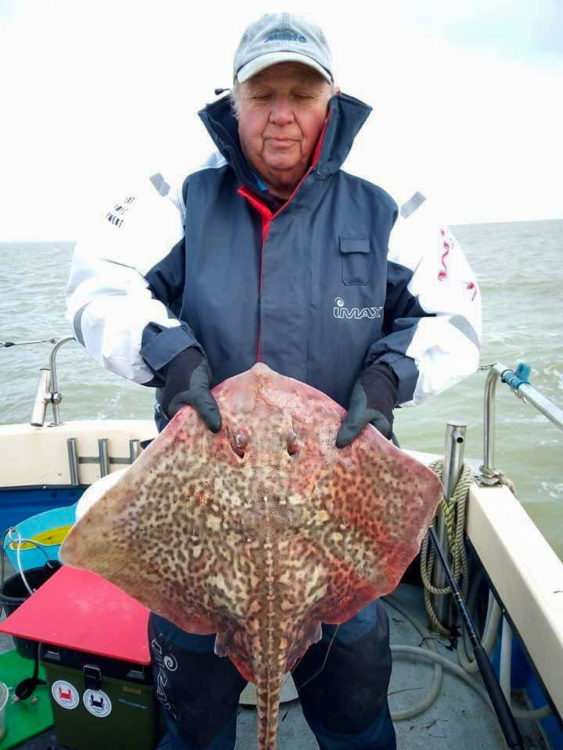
459,716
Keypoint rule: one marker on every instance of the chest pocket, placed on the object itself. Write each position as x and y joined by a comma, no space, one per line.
356,260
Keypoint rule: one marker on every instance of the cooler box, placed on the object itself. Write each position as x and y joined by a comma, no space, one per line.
100,702
97,661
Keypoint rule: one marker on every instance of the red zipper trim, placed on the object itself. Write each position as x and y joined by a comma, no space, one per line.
267,217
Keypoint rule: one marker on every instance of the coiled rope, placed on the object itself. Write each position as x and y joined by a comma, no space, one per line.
454,520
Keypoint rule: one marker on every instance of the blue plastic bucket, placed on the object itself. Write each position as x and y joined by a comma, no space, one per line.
47,529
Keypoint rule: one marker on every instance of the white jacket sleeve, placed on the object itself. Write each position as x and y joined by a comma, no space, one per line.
115,314
433,316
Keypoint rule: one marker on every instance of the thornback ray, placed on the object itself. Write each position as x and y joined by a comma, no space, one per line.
263,531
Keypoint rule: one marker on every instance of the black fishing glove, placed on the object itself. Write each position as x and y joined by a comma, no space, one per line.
187,378
372,400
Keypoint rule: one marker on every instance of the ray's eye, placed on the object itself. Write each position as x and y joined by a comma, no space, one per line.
291,443
239,441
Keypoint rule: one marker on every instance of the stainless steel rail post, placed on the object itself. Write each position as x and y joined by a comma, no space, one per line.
42,398
489,418
523,391
103,453
56,397
73,462
453,463
134,450
47,390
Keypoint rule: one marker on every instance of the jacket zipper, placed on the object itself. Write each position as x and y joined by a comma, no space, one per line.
267,217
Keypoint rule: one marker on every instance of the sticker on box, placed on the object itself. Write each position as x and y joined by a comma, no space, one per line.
97,703
65,694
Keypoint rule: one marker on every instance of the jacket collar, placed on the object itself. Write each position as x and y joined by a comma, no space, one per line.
345,118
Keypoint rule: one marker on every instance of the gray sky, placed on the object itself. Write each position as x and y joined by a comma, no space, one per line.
95,95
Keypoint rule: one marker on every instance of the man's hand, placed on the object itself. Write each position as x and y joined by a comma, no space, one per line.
187,378
372,400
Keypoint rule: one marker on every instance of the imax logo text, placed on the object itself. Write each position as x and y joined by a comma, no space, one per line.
355,313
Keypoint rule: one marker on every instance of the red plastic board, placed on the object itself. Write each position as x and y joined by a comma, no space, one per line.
82,611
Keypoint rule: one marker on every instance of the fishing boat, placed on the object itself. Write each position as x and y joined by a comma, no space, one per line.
510,607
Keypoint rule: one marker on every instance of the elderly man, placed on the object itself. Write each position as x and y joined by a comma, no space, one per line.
271,252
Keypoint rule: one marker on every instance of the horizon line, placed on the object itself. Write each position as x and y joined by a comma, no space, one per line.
452,224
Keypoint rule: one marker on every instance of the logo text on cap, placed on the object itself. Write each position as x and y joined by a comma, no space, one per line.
285,36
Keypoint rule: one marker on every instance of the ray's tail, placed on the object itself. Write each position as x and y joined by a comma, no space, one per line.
268,690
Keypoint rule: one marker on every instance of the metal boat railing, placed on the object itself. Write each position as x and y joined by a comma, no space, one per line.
47,390
518,382
48,393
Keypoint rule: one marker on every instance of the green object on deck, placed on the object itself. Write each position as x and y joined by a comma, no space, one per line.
99,702
23,719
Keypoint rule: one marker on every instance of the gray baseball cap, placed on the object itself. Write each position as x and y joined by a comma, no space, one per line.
281,37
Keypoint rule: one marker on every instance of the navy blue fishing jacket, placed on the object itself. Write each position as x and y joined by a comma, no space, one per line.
311,290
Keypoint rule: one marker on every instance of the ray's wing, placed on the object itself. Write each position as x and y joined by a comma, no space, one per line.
369,509
159,534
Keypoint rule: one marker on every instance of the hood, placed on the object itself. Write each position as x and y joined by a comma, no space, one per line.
346,115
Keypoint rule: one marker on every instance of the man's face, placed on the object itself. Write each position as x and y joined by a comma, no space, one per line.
282,112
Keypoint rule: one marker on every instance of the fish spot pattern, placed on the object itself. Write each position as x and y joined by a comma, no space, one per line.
262,531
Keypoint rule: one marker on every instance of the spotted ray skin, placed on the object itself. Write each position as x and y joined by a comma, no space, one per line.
260,532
